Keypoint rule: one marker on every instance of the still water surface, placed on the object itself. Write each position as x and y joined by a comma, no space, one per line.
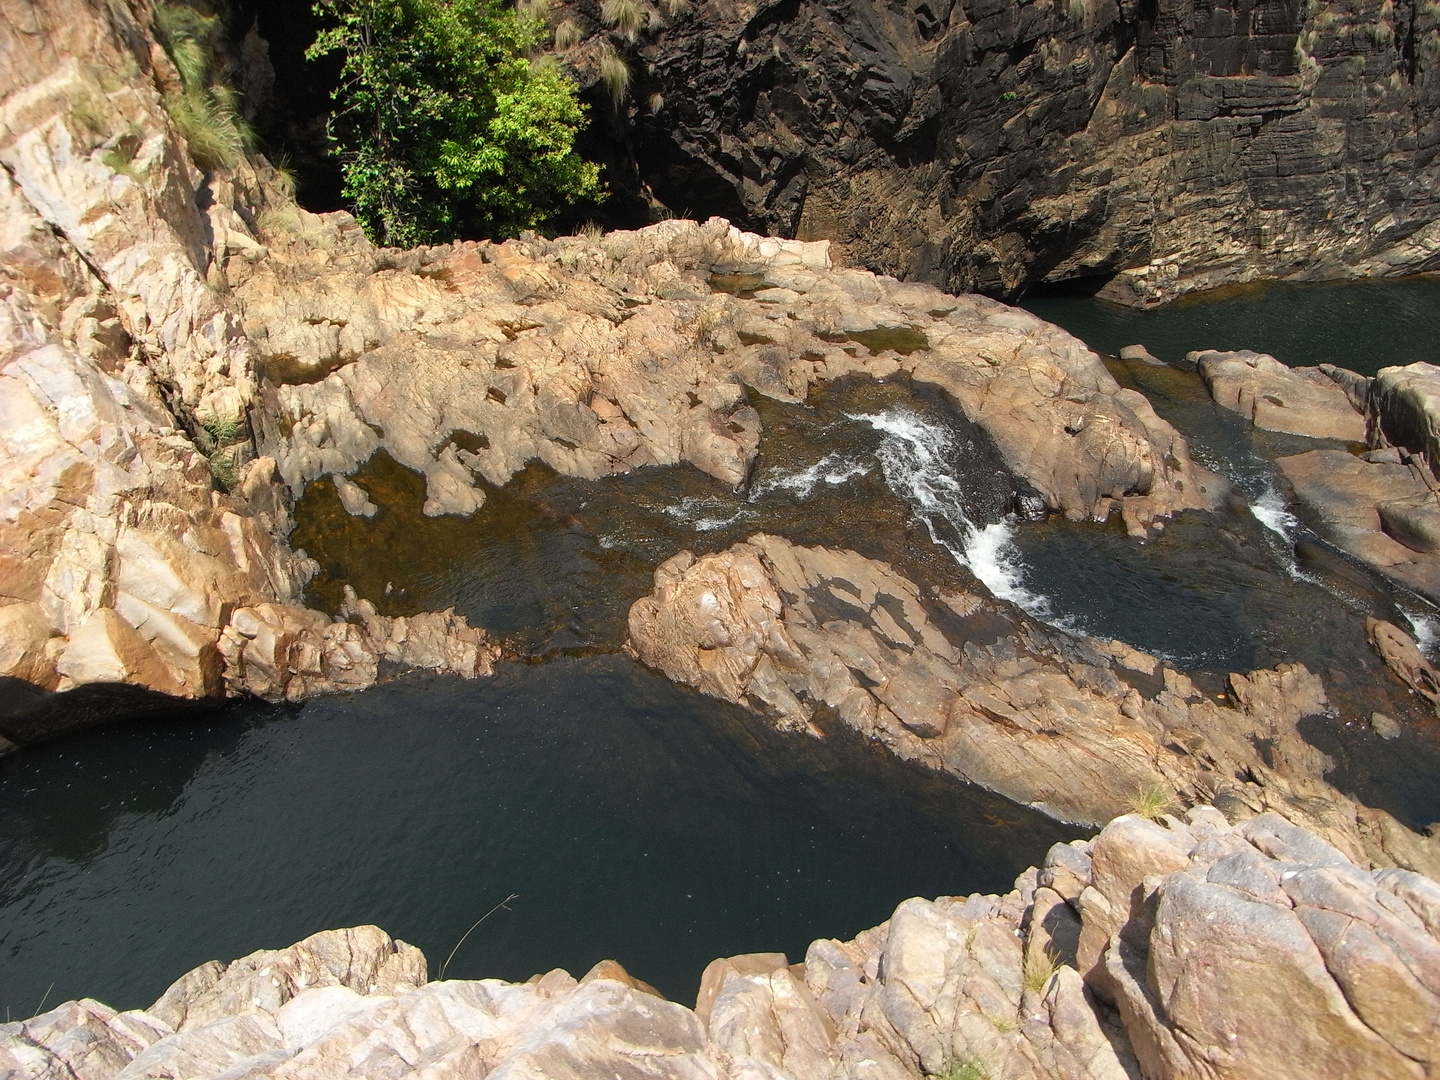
637,820
1361,325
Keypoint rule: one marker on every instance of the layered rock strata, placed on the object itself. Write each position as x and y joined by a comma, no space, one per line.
988,145
1181,949
1073,726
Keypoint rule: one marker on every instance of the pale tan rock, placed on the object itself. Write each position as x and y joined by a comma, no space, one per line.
766,1021
1374,510
29,645
363,958
1299,401
107,649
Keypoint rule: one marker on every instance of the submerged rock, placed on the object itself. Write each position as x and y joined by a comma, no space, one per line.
1173,949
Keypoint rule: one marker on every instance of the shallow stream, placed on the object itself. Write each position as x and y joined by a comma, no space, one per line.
637,819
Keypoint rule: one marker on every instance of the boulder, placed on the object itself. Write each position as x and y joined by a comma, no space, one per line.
1405,406
1386,515
1298,401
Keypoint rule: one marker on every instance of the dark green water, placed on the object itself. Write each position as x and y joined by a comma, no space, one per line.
636,820
1361,325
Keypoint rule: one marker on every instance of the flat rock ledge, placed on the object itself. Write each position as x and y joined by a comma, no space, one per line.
1183,948
1075,727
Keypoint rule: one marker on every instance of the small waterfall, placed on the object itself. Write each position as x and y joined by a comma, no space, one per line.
917,458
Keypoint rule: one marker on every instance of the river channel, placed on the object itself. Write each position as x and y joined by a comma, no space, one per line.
636,819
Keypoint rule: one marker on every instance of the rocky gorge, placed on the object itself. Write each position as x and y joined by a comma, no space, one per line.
184,353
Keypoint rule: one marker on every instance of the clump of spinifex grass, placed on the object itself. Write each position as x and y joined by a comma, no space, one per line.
1039,970
204,109
965,1068
615,74
1151,801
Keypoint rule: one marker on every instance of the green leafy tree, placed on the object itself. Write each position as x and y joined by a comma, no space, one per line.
446,126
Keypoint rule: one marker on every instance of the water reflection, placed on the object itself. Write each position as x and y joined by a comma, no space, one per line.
1361,325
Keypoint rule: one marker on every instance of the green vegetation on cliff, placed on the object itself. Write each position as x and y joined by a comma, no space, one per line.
204,107
447,124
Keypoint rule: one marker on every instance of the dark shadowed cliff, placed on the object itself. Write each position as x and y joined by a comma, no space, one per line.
992,144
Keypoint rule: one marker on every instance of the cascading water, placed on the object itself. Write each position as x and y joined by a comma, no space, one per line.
917,459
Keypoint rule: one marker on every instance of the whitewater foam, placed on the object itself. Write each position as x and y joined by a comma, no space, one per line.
915,458
832,469
706,514
1270,509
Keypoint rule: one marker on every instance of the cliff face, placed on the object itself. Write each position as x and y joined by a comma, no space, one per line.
1193,949
987,145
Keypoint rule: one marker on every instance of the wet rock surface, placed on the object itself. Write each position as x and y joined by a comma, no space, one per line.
1165,949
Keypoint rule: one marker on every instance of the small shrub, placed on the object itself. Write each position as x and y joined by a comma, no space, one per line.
220,436
591,232
223,467
212,134
1150,801
615,74
656,102
445,127
675,8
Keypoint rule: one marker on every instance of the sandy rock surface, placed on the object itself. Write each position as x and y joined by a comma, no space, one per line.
1179,949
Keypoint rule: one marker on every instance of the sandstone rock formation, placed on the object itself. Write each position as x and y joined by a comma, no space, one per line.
183,350
1383,505
1298,401
986,145
597,356
135,518
1188,948
1075,727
